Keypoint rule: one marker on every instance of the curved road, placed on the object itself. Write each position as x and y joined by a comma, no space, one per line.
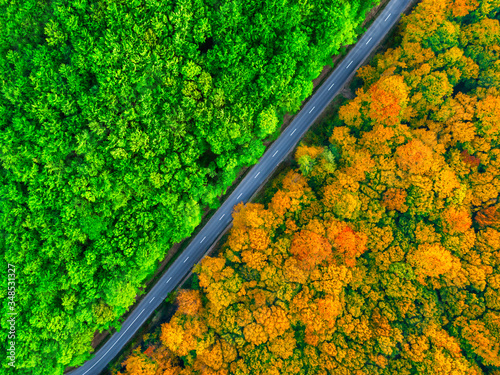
257,175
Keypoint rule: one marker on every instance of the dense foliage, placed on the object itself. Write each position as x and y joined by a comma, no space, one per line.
120,121
380,253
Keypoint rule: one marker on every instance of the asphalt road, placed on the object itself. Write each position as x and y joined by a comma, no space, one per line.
257,175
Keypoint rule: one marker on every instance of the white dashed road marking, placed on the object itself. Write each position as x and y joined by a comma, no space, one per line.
124,332
114,343
239,196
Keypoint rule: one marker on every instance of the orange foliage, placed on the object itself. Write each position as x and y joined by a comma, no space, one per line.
380,323
462,8
182,336
238,239
377,140
489,216
414,157
360,163
283,346
483,342
280,203
295,184
310,249
469,159
341,136
329,308
273,319
388,97
252,215
350,113
211,268
488,112
456,220
425,20
445,183
347,242
433,260
259,239
210,359
154,361
415,348
394,199
255,334
368,74
442,339
254,259
462,131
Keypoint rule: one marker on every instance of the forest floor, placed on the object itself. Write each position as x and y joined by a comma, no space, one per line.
167,309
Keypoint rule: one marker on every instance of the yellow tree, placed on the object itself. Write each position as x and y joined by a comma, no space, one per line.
184,334
433,260
274,320
139,364
189,302
484,343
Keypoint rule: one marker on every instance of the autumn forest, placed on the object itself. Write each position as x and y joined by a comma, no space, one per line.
374,250
378,252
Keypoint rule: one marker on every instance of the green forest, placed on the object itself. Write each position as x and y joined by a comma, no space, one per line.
378,252
121,122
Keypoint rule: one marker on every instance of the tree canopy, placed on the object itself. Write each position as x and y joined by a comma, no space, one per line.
120,122
380,252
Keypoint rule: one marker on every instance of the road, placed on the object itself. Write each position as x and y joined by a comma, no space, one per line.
252,181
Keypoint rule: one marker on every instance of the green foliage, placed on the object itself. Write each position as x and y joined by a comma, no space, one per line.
380,253
120,121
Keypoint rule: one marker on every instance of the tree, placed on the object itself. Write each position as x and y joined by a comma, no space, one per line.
488,216
395,199
414,157
310,249
379,252
189,302
456,220
433,260
138,364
